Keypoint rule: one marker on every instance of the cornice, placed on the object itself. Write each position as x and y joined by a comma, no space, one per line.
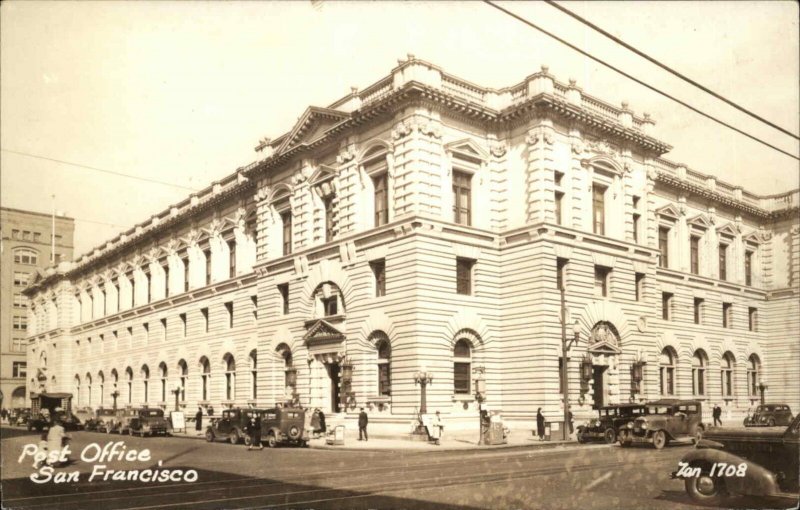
701,191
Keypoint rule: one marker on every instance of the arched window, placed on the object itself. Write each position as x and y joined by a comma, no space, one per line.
162,369
753,373
230,376
289,372
129,376
183,369
328,300
726,373
26,256
101,380
666,371
699,364
78,390
205,375
88,389
384,365
146,382
462,367
253,374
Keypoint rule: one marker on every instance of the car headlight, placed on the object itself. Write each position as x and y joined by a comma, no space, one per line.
630,425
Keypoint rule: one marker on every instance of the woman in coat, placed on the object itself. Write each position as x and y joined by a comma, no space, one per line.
436,428
540,424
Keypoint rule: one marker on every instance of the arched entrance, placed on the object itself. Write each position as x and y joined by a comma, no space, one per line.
18,397
602,355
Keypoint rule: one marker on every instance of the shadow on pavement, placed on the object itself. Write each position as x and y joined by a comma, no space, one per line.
8,432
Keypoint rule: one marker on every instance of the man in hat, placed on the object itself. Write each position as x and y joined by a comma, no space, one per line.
363,420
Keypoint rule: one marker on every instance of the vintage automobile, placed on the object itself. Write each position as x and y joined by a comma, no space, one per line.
230,426
148,421
41,421
85,415
610,419
769,415
664,421
19,416
103,420
754,462
121,422
284,425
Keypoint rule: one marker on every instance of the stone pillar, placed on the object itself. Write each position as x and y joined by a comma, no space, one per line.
539,202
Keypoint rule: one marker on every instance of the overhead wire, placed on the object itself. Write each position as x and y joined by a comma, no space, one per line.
637,80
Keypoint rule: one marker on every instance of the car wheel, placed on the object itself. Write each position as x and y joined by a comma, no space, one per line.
209,436
581,438
659,439
248,440
771,422
705,489
698,434
234,437
294,432
272,442
610,436
745,422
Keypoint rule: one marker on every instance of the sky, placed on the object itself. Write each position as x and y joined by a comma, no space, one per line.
181,92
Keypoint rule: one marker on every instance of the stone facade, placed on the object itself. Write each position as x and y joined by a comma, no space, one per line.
425,224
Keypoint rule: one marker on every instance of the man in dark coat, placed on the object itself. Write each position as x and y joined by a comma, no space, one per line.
198,419
717,414
321,421
362,425
540,424
253,429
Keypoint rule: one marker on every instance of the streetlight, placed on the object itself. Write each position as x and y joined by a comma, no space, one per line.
480,396
762,387
114,395
423,378
576,329
177,391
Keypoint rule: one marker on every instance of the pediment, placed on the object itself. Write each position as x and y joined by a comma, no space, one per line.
700,221
604,348
314,122
324,173
467,148
727,230
322,331
669,211
753,237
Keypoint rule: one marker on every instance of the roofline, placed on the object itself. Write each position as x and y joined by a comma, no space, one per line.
36,213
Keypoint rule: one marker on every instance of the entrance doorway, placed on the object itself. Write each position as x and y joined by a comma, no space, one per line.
334,371
598,377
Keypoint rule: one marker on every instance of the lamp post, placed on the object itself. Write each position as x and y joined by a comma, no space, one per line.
480,396
177,391
114,395
564,350
762,387
347,382
423,378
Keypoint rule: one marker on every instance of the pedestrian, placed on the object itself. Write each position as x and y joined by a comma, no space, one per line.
540,424
198,420
55,441
4,415
571,423
363,420
253,429
717,415
321,422
315,423
436,428
210,411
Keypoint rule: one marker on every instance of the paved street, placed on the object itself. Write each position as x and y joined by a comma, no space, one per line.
593,476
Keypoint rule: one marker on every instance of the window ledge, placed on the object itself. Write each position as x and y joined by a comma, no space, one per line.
459,397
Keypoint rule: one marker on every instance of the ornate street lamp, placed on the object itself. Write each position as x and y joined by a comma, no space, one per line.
480,397
576,329
177,391
762,387
423,378
114,395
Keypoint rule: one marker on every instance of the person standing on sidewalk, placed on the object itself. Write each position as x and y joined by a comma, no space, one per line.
436,428
198,420
717,414
253,429
540,424
363,420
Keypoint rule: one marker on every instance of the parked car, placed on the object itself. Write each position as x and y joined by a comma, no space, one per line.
148,421
769,415
665,420
85,416
610,418
104,420
41,421
758,462
230,426
284,425
122,421
19,416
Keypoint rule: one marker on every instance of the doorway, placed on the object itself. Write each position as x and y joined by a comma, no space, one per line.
598,377
334,371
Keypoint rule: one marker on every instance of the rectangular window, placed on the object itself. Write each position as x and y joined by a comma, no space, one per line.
561,273
462,197
727,315
20,278
384,380
164,330
752,319
698,310
748,268
204,314
461,375
663,246
723,262
231,259
666,306
559,196
639,286
636,216
15,234
17,344
185,261
165,268
558,178
599,209
381,199
694,254
464,275
254,304
328,203
19,369
148,284
20,301
229,310
207,255
286,220
283,289
20,323
130,335
183,324
379,271
37,236
601,278
146,328
330,305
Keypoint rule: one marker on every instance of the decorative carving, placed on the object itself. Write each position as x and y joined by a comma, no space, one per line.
348,154
652,173
401,130
603,147
627,167
641,324
498,149
301,175
430,129
532,139
549,139
577,147
712,215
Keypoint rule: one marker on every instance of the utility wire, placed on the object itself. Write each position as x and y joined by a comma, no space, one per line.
667,68
119,174
640,82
